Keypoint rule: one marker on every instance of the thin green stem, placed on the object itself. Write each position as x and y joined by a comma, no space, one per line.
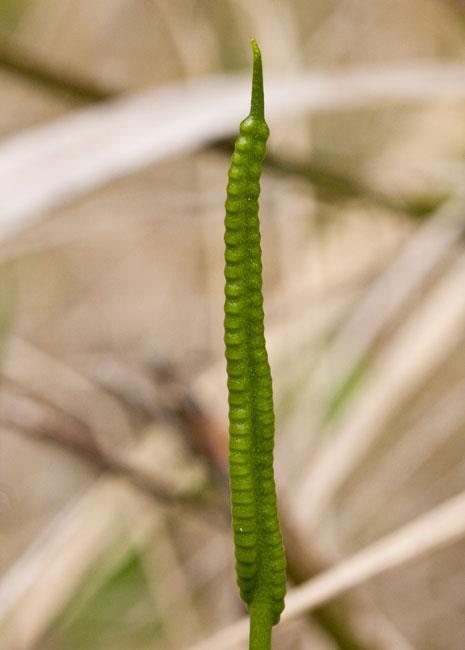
260,626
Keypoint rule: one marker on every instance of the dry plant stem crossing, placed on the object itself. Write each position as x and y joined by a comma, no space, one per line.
29,418
439,527
420,346
94,146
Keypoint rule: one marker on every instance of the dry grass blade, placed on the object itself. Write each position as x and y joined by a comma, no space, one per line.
43,578
417,446
419,347
62,386
25,417
52,163
441,526
27,569
394,287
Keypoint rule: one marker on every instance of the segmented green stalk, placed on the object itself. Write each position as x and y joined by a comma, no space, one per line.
260,562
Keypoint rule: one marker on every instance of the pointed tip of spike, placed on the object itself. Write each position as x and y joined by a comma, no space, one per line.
255,48
257,108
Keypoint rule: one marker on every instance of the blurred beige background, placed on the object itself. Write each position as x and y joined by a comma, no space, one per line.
116,123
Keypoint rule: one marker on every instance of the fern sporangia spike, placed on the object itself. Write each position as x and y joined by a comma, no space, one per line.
260,561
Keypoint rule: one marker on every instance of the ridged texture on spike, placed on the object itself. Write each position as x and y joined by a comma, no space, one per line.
260,561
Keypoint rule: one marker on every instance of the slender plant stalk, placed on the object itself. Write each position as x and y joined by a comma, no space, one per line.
260,561
260,626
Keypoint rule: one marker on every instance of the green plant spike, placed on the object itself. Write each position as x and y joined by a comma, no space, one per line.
260,560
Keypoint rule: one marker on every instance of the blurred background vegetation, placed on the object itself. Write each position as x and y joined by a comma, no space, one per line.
114,527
